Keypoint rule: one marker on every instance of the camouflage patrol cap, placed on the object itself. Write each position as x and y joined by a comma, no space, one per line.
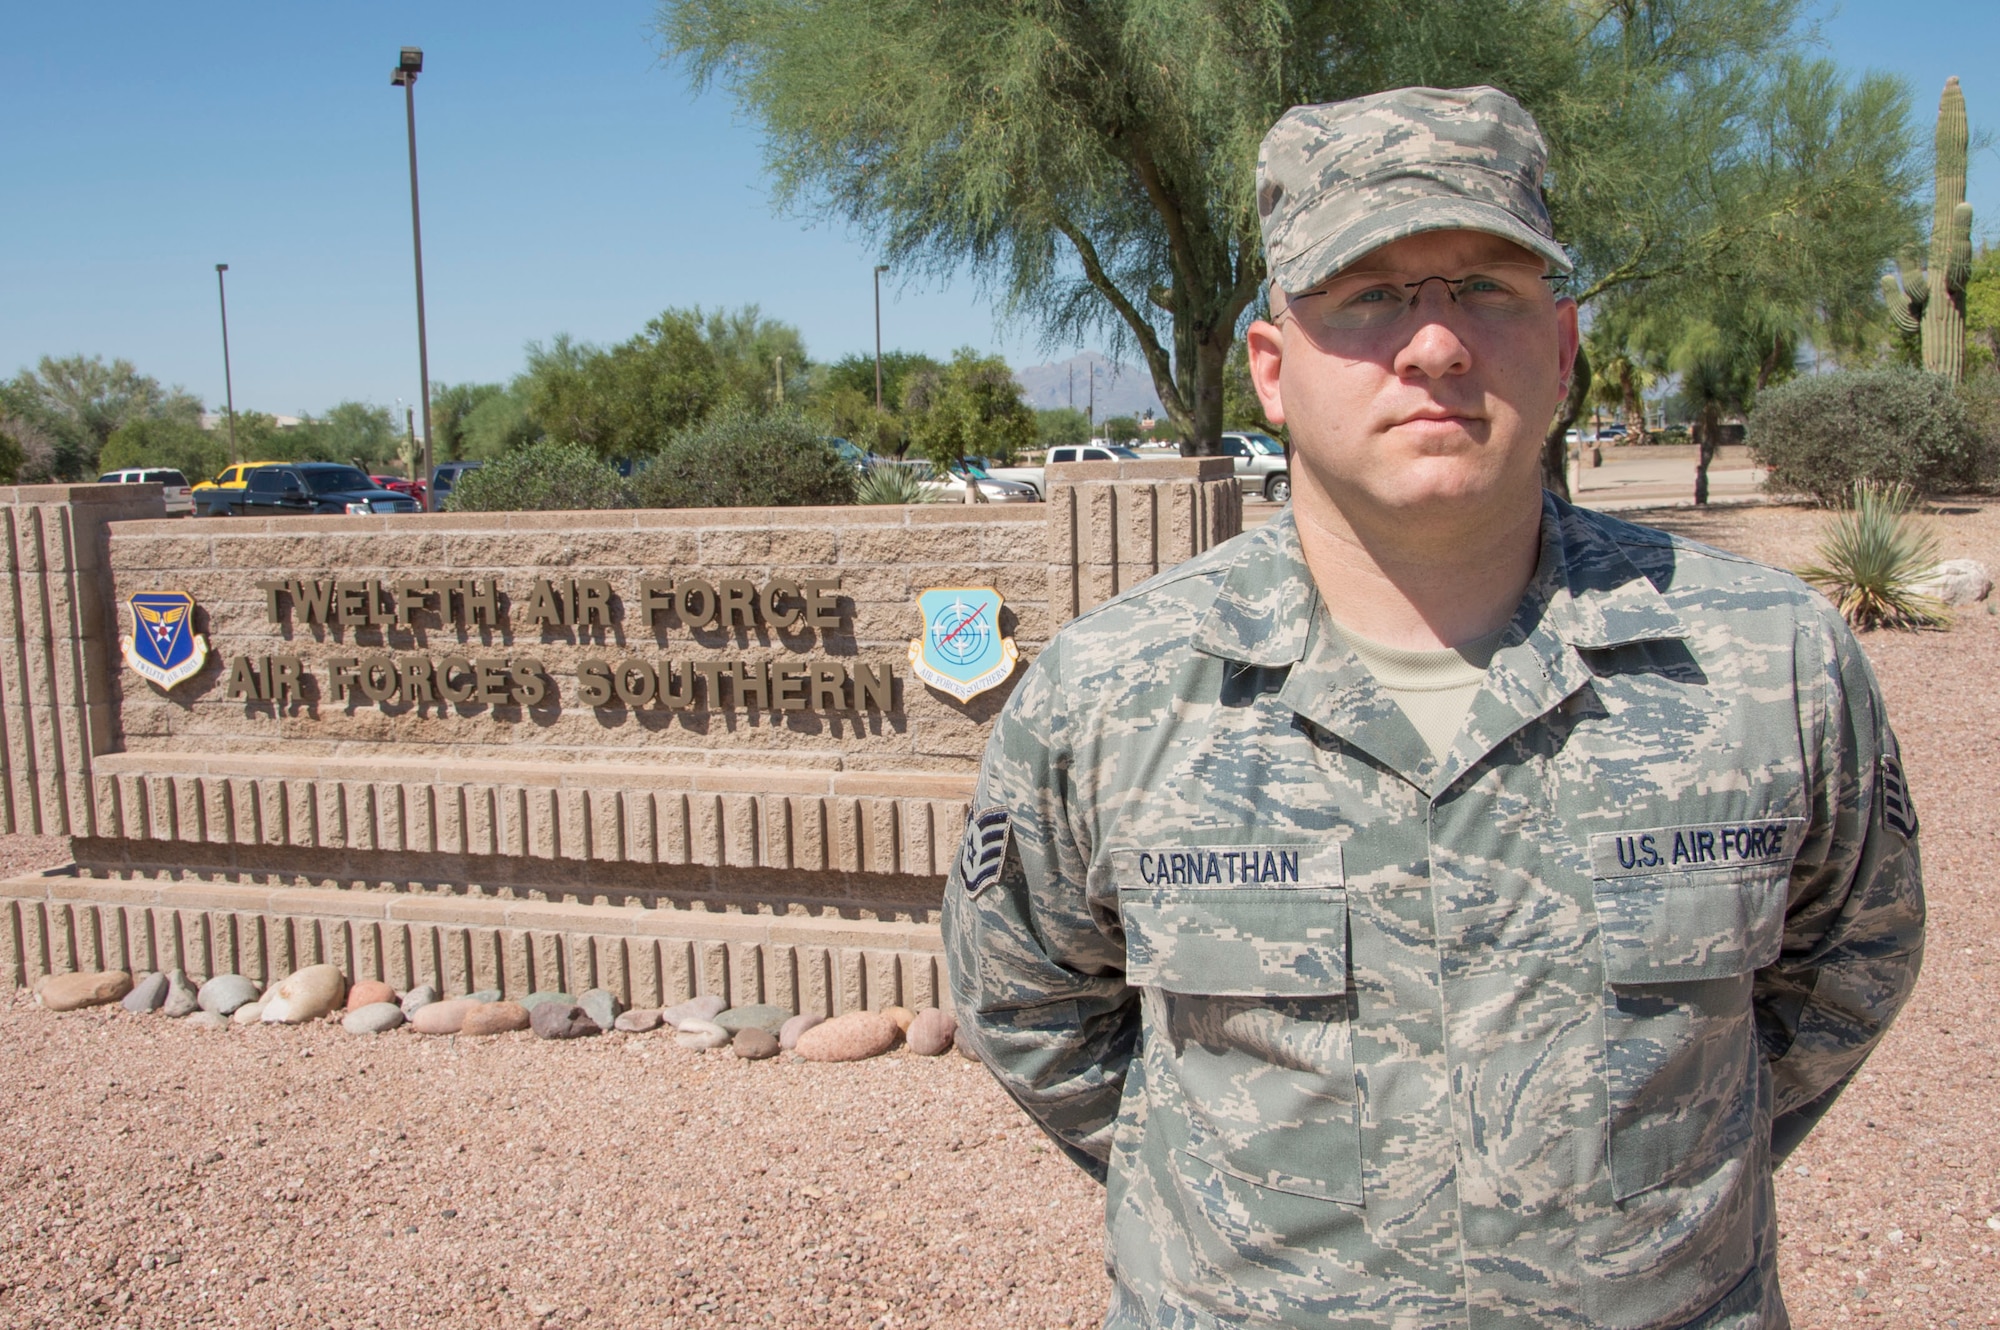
1339,180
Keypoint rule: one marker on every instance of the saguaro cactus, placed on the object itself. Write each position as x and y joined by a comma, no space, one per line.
1931,298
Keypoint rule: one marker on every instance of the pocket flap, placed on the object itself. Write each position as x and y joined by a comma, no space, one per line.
1686,927
1242,922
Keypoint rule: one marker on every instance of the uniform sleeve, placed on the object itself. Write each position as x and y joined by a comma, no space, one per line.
1854,925
1037,974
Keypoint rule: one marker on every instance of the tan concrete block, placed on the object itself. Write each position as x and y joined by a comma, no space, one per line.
545,952
913,818
13,974
544,822
642,957
678,972
705,830
573,826
850,981
480,821
389,833
817,988
606,821
510,804
746,973
448,813
712,960
255,959
357,808
781,976
370,962
741,832
579,959
640,840
612,969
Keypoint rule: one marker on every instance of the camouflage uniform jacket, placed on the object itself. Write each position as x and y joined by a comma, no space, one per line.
1361,1037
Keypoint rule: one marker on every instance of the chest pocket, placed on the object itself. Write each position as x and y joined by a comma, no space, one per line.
1686,917
1243,956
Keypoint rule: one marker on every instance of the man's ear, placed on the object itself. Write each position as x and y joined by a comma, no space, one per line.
1265,342
1568,338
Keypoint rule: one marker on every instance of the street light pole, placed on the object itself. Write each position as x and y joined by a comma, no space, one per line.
408,65
880,268
228,388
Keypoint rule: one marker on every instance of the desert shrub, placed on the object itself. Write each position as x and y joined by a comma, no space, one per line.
542,476
891,484
1822,433
746,461
1871,558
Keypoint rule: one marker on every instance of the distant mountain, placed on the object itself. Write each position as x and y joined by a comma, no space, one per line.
1122,390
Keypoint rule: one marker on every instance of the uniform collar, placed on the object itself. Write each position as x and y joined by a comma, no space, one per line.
1586,594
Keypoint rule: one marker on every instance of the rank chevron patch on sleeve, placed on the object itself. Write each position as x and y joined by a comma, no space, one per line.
983,851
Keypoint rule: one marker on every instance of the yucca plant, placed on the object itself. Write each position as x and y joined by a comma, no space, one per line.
1873,556
890,484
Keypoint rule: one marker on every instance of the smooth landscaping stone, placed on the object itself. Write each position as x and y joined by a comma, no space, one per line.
208,1020
561,1020
754,1044
704,1008
485,995
1957,582
639,1022
544,997
250,1013
761,1016
225,993
849,1038
495,1018
932,1032
788,1034
147,993
701,1035
307,995
901,1015
180,995
91,988
369,992
602,1006
375,1018
420,996
443,1017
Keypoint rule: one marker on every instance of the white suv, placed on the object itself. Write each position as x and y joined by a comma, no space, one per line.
1261,464
173,485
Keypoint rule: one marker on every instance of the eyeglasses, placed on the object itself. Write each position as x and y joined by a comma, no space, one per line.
1497,293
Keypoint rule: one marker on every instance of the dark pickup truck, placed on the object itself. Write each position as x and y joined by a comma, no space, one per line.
303,487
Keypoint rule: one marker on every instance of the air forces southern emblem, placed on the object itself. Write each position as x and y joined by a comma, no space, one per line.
984,850
164,647
961,651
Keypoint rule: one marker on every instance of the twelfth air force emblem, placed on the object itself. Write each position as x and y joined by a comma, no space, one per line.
164,647
961,651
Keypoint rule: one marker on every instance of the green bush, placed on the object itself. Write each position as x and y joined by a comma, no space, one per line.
542,476
1872,558
745,461
1822,433
887,483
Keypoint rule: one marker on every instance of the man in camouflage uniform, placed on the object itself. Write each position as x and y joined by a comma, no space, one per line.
1384,1002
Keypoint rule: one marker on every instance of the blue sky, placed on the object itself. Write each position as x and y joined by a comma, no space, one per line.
570,183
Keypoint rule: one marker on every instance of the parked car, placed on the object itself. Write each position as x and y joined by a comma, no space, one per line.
402,485
307,487
1033,476
856,456
950,487
231,477
1260,462
443,477
173,485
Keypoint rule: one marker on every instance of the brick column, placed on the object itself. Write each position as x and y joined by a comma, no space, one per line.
58,647
1112,525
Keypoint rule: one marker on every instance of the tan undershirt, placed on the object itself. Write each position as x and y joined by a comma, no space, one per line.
1435,689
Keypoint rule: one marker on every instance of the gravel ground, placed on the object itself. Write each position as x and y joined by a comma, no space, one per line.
153,1175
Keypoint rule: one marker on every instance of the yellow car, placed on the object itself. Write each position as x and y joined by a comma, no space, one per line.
235,476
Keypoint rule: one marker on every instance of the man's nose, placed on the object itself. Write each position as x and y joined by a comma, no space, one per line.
1433,347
